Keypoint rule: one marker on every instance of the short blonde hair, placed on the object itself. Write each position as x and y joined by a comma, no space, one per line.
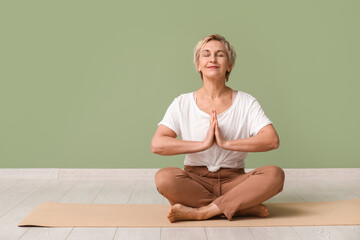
231,55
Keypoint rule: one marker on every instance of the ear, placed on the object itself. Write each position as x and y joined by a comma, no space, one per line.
198,68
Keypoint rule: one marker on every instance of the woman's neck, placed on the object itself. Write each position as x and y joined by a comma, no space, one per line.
214,89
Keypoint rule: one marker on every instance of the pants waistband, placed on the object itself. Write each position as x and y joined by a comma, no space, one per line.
221,173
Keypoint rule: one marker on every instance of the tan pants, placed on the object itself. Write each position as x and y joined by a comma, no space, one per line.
230,189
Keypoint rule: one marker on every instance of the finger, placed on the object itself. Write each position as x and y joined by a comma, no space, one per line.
214,122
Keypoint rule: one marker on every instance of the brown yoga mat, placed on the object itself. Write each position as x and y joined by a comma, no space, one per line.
52,214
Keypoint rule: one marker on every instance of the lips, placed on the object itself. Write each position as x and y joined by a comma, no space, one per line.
212,67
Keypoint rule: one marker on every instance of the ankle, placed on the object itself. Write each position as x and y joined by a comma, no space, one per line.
208,211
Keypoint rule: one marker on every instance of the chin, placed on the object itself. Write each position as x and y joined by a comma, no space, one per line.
215,76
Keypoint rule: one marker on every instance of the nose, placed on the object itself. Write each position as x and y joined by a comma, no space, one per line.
213,58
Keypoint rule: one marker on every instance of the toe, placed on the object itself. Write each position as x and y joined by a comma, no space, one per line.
171,219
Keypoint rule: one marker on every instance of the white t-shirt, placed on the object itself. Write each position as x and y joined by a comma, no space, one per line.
243,119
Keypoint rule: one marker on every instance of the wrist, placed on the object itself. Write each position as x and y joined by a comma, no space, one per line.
203,146
225,145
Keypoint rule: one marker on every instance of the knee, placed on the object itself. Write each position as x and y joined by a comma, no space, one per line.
276,174
165,177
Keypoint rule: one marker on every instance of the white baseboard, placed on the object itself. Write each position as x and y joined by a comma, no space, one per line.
123,173
31,173
146,173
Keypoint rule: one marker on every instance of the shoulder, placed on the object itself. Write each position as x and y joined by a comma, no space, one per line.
185,96
181,102
184,99
246,102
245,96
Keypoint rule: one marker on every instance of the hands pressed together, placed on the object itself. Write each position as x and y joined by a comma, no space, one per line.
214,135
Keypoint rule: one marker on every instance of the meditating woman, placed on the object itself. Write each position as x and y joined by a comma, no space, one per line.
218,127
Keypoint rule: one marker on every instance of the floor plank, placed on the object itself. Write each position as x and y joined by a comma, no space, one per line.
7,184
20,191
52,191
182,233
319,232
92,233
115,192
325,189
46,233
274,233
85,191
349,232
228,233
137,234
145,192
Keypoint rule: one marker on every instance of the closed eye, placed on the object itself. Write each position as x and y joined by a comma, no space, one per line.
219,55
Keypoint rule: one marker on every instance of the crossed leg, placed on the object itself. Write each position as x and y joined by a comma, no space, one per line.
191,200
180,212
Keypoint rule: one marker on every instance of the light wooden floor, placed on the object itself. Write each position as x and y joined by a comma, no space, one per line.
19,196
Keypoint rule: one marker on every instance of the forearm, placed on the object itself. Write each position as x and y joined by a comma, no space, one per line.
253,144
171,146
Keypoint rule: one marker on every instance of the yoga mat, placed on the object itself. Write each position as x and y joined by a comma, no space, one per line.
53,214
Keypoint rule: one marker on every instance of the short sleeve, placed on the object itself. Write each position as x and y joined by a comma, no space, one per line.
257,118
172,116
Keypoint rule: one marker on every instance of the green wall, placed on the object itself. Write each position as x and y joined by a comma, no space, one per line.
84,83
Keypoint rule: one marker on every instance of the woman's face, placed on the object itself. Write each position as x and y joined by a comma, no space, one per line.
213,60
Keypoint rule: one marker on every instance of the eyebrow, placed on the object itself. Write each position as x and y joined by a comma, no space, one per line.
207,50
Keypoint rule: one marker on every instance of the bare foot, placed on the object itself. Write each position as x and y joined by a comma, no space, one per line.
258,211
180,212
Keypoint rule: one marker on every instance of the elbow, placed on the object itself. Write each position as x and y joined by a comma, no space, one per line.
155,147
276,143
